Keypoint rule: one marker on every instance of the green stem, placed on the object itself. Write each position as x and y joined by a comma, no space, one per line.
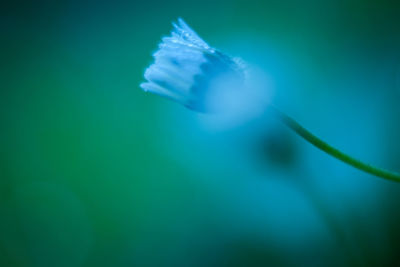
300,130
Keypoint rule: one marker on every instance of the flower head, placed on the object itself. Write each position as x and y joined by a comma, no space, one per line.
189,71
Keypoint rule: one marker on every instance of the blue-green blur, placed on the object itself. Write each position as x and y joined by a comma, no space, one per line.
95,172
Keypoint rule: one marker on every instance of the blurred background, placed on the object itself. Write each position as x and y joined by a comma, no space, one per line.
94,172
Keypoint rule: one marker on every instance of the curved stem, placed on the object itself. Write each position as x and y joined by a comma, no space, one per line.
300,130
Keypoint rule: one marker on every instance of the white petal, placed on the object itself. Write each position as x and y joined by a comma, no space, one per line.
167,80
189,35
155,89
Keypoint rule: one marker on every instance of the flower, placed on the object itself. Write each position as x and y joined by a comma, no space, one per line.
188,71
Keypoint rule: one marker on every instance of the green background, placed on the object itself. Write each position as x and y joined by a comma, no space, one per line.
94,172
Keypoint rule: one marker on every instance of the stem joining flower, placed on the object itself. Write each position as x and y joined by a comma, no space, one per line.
189,71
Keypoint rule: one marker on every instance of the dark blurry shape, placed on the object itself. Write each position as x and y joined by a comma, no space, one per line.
278,147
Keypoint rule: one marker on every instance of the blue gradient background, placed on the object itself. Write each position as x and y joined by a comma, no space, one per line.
94,172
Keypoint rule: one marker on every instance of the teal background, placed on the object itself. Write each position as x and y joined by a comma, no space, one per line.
94,172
